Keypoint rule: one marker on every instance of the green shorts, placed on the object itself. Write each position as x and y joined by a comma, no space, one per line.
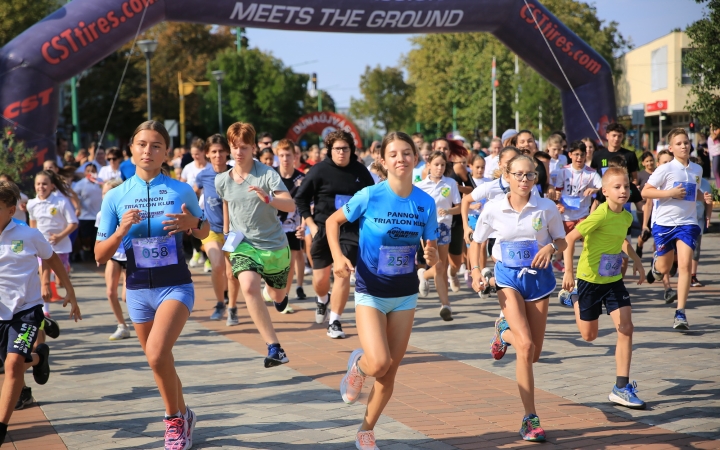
272,265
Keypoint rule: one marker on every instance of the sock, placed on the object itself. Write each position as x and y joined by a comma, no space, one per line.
501,314
3,431
334,316
46,308
220,305
357,366
694,275
621,382
174,416
234,309
323,299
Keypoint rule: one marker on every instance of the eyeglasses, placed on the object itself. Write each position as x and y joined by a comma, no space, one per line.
266,142
519,175
111,159
341,149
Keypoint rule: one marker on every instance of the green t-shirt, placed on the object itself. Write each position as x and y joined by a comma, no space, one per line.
257,220
604,232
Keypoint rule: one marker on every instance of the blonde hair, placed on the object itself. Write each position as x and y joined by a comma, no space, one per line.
554,139
612,172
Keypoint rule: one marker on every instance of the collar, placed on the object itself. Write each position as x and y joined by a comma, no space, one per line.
532,202
9,226
158,180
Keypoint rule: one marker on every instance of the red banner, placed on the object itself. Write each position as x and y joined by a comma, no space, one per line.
660,105
323,123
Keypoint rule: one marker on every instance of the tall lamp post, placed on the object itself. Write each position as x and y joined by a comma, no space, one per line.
219,76
148,47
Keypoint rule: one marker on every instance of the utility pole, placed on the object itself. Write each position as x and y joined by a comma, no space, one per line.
238,38
494,99
540,123
517,92
186,88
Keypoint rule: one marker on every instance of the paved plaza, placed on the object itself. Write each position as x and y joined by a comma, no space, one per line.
450,393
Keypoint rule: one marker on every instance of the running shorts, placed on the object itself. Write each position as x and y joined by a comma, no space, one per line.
143,303
214,237
18,335
272,265
666,237
293,241
531,286
386,305
592,297
320,250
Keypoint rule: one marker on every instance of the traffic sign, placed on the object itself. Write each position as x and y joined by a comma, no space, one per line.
660,105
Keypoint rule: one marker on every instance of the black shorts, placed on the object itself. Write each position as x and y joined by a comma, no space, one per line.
123,264
491,244
19,334
86,229
591,298
293,242
320,250
457,240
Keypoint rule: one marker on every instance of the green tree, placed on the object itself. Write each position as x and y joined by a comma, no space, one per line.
310,103
703,65
387,98
14,157
17,16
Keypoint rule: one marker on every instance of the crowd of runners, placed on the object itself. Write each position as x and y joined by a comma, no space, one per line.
388,222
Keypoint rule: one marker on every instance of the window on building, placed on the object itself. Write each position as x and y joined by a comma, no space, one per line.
685,77
659,68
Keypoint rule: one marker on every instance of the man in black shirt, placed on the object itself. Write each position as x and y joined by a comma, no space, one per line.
615,134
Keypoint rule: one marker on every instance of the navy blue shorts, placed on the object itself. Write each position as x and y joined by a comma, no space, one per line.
19,334
531,286
592,297
666,237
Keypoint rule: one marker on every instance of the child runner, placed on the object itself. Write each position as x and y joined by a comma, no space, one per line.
148,215
89,191
554,148
444,191
21,311
188,175
589,149
647,160
116,266
677,186
529,231
664,157
254,193
54,216
704,212
394,216
600,279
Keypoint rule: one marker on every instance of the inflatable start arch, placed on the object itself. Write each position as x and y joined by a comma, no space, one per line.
83,32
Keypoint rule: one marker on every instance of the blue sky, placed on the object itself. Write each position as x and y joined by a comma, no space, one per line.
340,58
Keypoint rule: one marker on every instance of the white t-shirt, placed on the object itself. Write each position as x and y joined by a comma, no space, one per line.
81,169
190,172
107,173
713,146
573,184
492,163
90,195
445,193
538,221
672,212
559,163
52,216
120,252
20,248
19,214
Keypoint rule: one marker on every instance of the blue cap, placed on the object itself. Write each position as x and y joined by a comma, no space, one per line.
511,132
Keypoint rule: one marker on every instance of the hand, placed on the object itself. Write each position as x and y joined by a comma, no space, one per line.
561,208
23,206
313,229
556,197
300,232
639,269
46,292
441,212
476,206
708,198
130,218
262,195
478,281
181,222
589,191
678,192
74,308
53,239
430,254
342,267
707,222
568,282
543,257
468,234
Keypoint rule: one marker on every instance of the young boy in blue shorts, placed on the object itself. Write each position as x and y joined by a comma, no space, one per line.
21,301
600,281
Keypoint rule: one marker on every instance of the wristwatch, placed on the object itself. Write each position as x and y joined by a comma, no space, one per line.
555,248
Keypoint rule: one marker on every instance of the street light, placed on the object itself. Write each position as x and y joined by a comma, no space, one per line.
148,47
219,76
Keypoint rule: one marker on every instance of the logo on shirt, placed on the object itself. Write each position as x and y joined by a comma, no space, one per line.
445,191
53,211
537,223
421,209
17,246
397,233
604,162
697,180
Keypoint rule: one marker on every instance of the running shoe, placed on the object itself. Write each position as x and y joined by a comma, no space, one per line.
670,296
266,295
25,398
486,274
559,266
321,311
566,298
121,332
276,356
226,299
694,282
176,434
531,429
498,347
335,330
626,396
454,280
646,235
639,250
41,371
352,279
365,440
51,328
300,292
207,268
190,421
446,313
462,270
681,322
218,312
650,277
288,310
232,317
424,288
280,307
308,270
195,260
352,383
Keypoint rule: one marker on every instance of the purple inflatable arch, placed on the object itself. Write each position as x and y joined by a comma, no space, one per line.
78,35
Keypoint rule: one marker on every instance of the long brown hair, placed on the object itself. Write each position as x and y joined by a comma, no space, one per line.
153,125
56,181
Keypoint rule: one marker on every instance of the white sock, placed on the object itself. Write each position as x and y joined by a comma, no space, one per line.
334,316
46,308
323,299
501,314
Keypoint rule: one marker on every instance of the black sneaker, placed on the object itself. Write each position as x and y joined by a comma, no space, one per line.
276,356
320,311
694,282
25,398
41,371
650,277
639,251
300,293
51,328
335,330
226,298
670,296
282,305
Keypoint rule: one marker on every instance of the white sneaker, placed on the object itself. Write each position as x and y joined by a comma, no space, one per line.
423,288
352,279
201,258
232,317
454,281
308,270
195,260
462,270
121,333
207,268
266,295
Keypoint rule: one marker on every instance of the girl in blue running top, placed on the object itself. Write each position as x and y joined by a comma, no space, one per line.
394,217
147,215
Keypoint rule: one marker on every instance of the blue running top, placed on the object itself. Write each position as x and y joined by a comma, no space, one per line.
162,195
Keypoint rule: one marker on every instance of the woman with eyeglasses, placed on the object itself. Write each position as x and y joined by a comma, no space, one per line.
112,170
529,231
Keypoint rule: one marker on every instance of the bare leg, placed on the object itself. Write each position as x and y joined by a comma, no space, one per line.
112,278
340,293
684,270
440,275
215,254
321,281
250,287
232,283
15,367
622,318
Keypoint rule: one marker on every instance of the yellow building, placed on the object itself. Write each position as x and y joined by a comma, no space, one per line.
653,79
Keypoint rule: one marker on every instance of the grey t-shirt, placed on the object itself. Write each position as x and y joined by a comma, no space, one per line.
248,213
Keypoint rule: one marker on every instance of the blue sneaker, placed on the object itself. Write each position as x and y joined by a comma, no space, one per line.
566,298
276,356
681,322
627,396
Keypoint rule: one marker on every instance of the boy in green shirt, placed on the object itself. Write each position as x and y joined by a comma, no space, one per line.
600,278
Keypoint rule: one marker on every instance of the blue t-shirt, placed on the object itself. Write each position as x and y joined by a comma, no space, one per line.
205,180
162,195
127,169
391,221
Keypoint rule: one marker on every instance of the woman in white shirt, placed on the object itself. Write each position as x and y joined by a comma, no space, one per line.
112,170
89,191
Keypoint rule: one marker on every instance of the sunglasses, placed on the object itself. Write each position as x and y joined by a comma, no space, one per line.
111,159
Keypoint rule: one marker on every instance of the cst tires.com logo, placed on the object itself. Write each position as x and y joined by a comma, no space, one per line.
397,233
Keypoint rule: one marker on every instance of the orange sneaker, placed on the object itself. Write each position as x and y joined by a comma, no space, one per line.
365,440
352,383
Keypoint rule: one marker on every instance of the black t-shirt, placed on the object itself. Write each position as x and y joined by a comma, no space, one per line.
601,160
291,184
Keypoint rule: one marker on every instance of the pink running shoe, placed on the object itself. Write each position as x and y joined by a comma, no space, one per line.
531,429
365,440
190,421
176,434
352,383
559,266
498,347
